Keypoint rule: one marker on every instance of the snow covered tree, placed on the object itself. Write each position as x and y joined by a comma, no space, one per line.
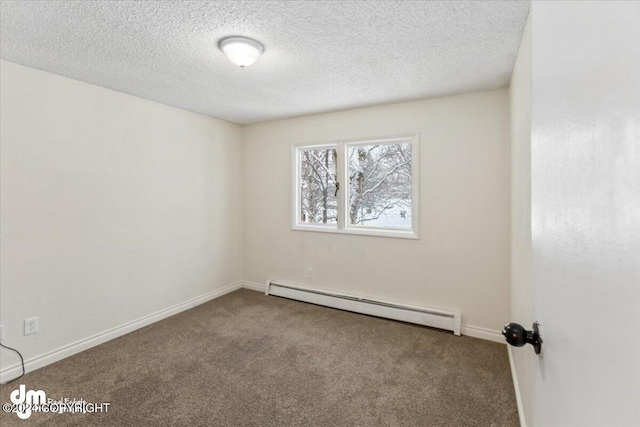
379,182
318,180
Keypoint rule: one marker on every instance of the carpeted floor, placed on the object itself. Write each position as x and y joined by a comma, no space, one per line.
249,360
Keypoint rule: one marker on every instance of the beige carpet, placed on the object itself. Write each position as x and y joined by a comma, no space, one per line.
249,360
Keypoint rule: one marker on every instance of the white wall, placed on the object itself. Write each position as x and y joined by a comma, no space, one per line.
113,208
462,258
521,284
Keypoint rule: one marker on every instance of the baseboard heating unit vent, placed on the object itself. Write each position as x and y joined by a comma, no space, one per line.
442,319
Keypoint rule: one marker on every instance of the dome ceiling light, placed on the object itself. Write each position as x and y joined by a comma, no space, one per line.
242,51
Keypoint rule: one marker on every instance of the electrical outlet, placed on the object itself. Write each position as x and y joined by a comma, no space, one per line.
31,326
309,273
1,332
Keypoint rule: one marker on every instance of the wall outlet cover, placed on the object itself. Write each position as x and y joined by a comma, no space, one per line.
31,326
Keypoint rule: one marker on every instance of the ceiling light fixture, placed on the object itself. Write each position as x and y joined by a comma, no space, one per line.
242,51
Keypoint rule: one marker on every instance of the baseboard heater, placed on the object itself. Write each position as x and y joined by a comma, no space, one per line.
436,318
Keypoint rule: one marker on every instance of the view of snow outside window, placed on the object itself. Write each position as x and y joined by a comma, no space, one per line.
380,185
318,201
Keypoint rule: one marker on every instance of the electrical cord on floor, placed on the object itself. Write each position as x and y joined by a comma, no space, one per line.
21,361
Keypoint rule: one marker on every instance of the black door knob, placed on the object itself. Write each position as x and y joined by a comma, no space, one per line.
517,336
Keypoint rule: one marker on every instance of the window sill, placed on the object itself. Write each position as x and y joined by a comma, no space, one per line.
396,234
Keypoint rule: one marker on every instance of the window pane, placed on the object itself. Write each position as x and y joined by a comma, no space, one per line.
380,185
318,201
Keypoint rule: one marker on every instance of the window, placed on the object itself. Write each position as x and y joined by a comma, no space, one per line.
365,187
318,189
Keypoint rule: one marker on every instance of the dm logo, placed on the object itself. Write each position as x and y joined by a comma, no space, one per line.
25,401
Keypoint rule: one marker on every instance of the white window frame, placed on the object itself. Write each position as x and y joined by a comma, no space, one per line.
342,166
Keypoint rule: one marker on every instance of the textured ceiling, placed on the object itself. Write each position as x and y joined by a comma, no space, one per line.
320,56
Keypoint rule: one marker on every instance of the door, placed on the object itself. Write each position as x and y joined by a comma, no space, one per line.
585,212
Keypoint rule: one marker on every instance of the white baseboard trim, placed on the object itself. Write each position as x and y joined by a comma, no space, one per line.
469,330
516,386
48,358
482,333
254,286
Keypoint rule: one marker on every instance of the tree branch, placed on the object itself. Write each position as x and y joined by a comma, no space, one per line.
387,175
377,216
329,173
